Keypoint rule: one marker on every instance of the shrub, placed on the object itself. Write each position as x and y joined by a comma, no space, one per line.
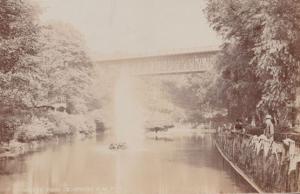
37,129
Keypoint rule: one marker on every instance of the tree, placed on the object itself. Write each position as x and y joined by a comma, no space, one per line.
18,32
277,55
260,56
68,68
18,35
40,66
237,87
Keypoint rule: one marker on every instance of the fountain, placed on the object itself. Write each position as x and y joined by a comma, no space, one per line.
128,120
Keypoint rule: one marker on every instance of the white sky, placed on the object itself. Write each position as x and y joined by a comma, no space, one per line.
121,27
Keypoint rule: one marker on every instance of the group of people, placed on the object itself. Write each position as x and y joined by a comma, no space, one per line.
268,129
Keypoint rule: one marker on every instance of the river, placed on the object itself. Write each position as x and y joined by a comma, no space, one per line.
189,165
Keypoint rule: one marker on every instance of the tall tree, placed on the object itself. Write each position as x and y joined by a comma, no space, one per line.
260,53
277,54
237,87
68,68
18,35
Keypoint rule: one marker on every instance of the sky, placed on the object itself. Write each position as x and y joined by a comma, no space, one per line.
135,27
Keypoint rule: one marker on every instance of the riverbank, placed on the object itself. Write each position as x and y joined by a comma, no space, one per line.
271,166
17,149
50,129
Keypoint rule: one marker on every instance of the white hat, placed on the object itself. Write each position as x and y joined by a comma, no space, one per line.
288,141
268,117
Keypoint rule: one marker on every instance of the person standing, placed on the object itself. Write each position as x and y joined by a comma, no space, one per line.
269,130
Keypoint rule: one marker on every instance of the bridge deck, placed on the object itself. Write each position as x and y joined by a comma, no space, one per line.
183,63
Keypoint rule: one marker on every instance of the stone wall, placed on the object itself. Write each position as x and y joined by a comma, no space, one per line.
273,166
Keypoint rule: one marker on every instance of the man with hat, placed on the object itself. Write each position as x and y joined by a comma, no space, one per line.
269,130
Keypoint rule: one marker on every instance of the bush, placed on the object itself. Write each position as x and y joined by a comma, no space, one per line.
37,129
66,124
81,124
61,126
55,124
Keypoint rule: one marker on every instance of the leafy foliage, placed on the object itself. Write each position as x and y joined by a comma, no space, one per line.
18,37
259,61
40,66
176,99
67,66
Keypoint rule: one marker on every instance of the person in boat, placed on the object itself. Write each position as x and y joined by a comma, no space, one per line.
269,129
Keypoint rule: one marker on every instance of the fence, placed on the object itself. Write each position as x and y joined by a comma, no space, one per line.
273,166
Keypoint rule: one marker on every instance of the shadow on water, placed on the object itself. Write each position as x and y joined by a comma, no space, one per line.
9,167
164,139
200,152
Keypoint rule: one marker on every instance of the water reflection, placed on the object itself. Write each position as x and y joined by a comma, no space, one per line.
184,165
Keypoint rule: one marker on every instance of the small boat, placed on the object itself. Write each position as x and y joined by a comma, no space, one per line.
118,146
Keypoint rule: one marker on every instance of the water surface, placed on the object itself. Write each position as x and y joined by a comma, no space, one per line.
189,165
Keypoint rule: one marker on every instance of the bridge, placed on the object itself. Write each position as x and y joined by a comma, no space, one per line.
184,62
